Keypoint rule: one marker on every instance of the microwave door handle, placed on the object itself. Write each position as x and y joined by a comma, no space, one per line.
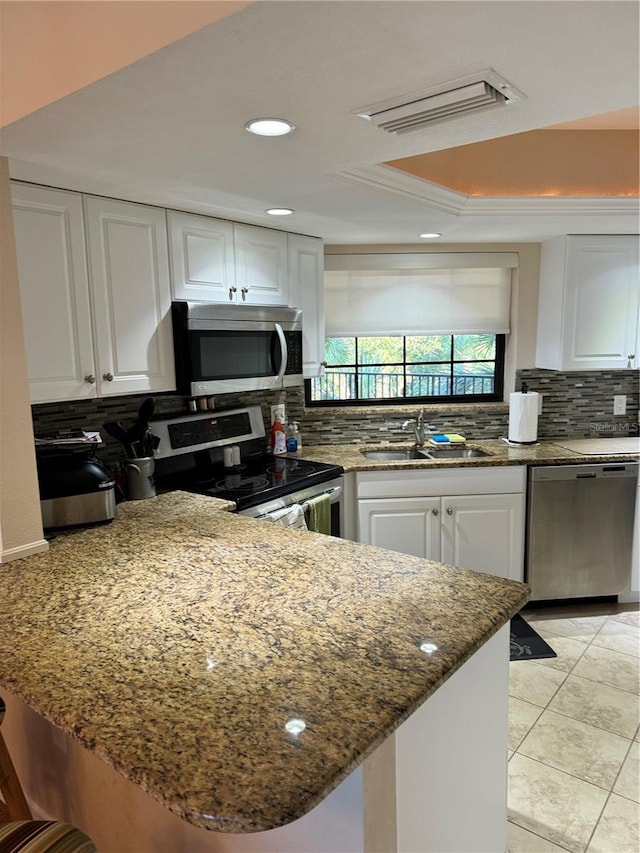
283,350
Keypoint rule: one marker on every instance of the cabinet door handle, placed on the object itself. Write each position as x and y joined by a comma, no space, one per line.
90,378
244,291
449,511
108,377
232,290
435,511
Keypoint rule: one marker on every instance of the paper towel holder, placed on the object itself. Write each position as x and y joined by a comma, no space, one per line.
523,423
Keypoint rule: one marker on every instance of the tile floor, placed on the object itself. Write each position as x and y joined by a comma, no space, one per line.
574,751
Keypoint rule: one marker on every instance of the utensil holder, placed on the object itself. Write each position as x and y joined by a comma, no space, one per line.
140,478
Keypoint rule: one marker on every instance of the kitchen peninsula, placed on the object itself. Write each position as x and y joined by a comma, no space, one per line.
288,690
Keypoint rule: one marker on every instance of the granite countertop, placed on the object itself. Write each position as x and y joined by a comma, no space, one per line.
351,457
179,640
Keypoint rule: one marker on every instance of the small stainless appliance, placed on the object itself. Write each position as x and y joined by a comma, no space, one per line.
75,487
222,349
580,529
190,456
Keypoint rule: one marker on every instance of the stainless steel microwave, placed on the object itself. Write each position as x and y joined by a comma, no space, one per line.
221,349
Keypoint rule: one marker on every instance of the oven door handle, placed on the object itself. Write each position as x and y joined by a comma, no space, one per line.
283,350
335,493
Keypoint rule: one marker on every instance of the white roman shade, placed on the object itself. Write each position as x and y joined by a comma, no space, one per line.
401,301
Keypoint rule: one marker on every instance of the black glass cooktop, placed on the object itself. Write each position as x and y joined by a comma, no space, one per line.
261,479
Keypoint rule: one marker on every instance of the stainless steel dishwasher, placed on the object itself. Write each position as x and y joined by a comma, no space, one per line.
580,529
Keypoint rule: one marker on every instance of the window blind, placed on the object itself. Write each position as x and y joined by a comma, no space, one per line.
373,302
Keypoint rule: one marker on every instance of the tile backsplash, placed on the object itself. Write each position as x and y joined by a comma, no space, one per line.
579,404
576,404
383,424
49,418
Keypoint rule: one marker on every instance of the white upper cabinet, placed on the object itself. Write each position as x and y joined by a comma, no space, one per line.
54,291
202,258
306,291
129,276
261,265
217,261
94,287
588,310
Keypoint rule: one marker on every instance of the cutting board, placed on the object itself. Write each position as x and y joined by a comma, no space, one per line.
602,446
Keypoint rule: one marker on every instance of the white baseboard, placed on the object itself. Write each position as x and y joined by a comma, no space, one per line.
24,551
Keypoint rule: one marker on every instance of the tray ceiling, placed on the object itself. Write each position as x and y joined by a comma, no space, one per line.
169,129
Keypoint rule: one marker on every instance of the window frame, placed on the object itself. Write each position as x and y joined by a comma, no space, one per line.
495,397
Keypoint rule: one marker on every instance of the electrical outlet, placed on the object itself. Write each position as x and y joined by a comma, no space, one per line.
619,404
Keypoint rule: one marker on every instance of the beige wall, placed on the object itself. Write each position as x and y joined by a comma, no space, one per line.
20,520
521,343
49,50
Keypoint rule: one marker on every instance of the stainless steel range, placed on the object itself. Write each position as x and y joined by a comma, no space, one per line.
223,454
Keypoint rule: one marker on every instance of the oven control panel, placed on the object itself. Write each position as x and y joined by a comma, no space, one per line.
188,433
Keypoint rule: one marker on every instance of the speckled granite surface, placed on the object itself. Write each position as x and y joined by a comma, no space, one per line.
179,640
498,453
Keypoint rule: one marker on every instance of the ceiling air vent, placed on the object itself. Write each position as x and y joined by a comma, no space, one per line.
464,95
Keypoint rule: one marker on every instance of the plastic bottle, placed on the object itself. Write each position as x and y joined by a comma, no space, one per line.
293,437
278,439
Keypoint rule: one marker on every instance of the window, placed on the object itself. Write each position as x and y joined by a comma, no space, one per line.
415,368
414,327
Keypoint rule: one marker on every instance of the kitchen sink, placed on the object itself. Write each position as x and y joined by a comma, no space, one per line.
394,455
454,452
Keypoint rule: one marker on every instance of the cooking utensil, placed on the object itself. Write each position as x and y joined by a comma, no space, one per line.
136,433
148,443
146,411
117,431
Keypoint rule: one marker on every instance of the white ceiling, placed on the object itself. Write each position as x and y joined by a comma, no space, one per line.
169,130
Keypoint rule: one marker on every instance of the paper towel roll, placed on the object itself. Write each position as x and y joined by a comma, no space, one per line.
523,417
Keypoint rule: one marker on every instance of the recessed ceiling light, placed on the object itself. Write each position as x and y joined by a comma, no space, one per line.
279,211
430,235
269,126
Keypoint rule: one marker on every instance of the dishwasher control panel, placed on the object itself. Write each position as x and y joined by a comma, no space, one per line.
583,471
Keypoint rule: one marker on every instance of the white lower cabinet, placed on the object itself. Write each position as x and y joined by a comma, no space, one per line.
407,525
485,533
482,529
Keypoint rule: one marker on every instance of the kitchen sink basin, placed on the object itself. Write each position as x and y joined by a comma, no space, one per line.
394,455
454,452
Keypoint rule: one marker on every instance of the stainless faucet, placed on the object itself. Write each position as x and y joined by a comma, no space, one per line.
418,426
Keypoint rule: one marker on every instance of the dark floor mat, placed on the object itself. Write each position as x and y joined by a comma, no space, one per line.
526,644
